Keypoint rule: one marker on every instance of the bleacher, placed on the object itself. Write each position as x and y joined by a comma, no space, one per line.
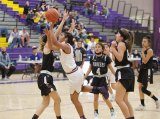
14,56
25,54
15,8
3,42
113,20
9,9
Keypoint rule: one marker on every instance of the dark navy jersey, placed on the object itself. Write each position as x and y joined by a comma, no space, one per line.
47,62
80,53
99,64
149,64
125,60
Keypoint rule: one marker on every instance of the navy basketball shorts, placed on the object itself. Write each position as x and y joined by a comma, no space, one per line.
99,82
145,75
45,84
126,77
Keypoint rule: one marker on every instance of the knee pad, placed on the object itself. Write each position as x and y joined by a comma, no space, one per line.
145,91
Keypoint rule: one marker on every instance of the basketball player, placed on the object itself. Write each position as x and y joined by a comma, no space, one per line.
146,73
73,73
124,73
45,80
80,54
110,76
99,64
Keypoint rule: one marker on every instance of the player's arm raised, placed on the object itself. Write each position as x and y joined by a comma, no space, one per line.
59,29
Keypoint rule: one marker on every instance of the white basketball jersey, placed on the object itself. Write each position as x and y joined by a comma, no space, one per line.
112,63
67,60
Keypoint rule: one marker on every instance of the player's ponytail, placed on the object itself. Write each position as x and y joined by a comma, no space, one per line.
42,42
128,37
131,39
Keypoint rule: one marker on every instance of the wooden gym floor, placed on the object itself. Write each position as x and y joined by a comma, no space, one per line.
20,100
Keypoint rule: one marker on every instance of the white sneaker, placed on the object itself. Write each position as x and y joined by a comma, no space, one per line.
113,114
157,104
7,78
96,115
141,108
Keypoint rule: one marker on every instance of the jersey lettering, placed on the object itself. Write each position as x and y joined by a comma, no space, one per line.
99,64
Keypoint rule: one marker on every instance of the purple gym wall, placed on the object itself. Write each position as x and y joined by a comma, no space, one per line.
156,15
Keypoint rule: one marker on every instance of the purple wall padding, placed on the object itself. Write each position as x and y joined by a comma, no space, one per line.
156,15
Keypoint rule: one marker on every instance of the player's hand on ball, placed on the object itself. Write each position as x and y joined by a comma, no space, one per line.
113,44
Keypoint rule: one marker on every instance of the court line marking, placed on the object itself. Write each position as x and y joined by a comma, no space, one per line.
28,81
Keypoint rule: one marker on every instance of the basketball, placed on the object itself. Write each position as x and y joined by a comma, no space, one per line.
52,15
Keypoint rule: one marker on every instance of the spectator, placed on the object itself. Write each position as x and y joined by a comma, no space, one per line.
3,32
80,54
43,2
155,63
91,51
5,64
76,16
65,28
83,35
105,11
69,20
135,54
24,37
43,8
14,38
26,9
35,56
30,17
94,9
87,8
101,40
91,43
41,24
37,16
67,6
36,9
75,33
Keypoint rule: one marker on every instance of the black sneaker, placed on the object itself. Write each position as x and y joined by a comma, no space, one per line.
104,92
